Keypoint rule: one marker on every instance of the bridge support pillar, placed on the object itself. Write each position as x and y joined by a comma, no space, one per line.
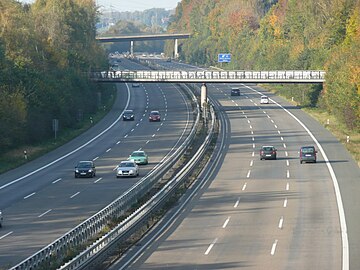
176,52
131,47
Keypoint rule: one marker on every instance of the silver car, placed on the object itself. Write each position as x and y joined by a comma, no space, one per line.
127,168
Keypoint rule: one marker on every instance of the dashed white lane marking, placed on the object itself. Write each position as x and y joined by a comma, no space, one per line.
251,100
144,115
153,135
137,124
250,126
251,163
132,130
95,158
43,214
57,180
2,237
268,116
108,150
275,126
284,145
279,131
118,142
253,154
98,180
244,187
74,195
272,121
28,196
285,202
281,138
286,153
273,248
126,136
253,145
281,222
287,186
253,138
210,246
226,222
252,132
287,163
158,129
115,168
147,142
237,203
248,174
161,124
248,121
287,174
264,112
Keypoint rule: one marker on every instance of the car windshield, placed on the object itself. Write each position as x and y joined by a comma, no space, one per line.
128,112
154,113
138,154
126,164
84,165
268,148
308,150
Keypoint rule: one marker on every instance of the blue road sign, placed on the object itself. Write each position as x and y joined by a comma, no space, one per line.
224,57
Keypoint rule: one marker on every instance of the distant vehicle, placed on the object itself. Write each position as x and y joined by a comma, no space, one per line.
128,115
168,60
85,169
154,116
235,91
307,154
140,157
127,168
135,85
267,152
264,100
1,219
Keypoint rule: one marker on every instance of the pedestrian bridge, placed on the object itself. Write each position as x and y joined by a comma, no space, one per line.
210,76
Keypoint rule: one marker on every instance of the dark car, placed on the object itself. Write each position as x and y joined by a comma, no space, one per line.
85,169
154,116
128,115
235,92
307,154
267,152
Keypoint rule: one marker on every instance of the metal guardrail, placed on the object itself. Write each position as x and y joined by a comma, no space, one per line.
83,260
93,225
211,76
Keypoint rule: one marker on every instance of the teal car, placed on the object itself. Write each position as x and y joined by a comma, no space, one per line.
139,157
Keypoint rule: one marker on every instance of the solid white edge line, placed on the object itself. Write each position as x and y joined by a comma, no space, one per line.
341,211
73,151
281,222
285,202
237,203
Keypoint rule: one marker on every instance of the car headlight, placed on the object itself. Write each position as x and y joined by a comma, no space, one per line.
131,171
119,171
90,170
77,170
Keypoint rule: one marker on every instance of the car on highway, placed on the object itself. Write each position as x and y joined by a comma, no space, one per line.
85,169
128,115
140,157
307,154
135,85
127,168
235,91
267,152
1,219
154,116
264,100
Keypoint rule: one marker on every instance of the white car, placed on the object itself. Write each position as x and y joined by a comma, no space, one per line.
1,219
127,168
264,100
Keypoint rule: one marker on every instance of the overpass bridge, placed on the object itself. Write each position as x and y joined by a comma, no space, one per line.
134,38
210,76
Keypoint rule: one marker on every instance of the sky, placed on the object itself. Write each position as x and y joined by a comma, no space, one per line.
130,5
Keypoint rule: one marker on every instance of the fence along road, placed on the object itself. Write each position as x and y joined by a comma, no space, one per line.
211,76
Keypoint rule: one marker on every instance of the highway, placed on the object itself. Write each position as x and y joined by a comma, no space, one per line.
253,214
42,200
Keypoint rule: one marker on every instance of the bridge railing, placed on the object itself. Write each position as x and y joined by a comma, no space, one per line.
281,76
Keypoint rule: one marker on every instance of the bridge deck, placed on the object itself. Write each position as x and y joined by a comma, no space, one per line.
210,76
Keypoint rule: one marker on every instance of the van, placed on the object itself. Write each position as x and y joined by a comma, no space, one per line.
307,154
